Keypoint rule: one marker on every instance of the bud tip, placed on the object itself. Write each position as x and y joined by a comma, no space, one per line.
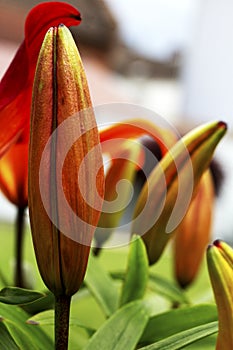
210,246
217,243
222,125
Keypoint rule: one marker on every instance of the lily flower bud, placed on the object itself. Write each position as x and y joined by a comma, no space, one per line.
220,266
66,177
170,187
119,182
193,234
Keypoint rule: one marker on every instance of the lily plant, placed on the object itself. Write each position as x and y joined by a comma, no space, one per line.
54,131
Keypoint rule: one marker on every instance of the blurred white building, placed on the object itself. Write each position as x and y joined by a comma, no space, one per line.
207,77
208,68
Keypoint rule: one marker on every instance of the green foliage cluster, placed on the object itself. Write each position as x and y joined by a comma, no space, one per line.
123,305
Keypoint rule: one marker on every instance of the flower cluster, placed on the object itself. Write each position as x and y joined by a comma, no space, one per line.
51,160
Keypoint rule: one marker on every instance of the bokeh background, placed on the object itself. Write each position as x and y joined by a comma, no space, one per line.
172,56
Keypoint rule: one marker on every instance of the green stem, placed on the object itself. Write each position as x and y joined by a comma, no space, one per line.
62,315
19,278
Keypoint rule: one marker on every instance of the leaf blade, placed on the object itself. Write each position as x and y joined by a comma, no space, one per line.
46,318
19,296
162,325
15,314
101,286
136,278
182,339
21,337
6,341
167,289
122,330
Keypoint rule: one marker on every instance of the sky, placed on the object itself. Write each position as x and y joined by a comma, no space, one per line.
156,28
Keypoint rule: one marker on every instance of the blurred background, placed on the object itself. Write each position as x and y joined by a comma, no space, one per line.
174,57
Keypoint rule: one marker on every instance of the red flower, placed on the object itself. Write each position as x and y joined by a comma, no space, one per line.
16,93
14,174
16,85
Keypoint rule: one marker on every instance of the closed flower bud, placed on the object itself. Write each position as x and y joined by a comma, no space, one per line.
170,187
65,165
220,266
118,187
193,234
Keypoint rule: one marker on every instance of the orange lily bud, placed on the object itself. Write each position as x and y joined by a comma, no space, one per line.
120,175
193,234
166,195
65,165
220,266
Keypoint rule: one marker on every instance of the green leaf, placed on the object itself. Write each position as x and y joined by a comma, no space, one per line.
137,272
6,341
182,339
167,289
101,286
14,319
3,279
122,330
39,305
118,275
171,322
46,318
19,296
21,337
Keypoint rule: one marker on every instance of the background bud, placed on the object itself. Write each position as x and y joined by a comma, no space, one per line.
170,187
220,266
193,234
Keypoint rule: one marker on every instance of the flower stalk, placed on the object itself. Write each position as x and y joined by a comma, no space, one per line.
20,226
62,315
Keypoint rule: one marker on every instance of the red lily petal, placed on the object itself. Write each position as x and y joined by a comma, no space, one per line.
13,174
14,119
137,128
16,77
16,85
44,16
